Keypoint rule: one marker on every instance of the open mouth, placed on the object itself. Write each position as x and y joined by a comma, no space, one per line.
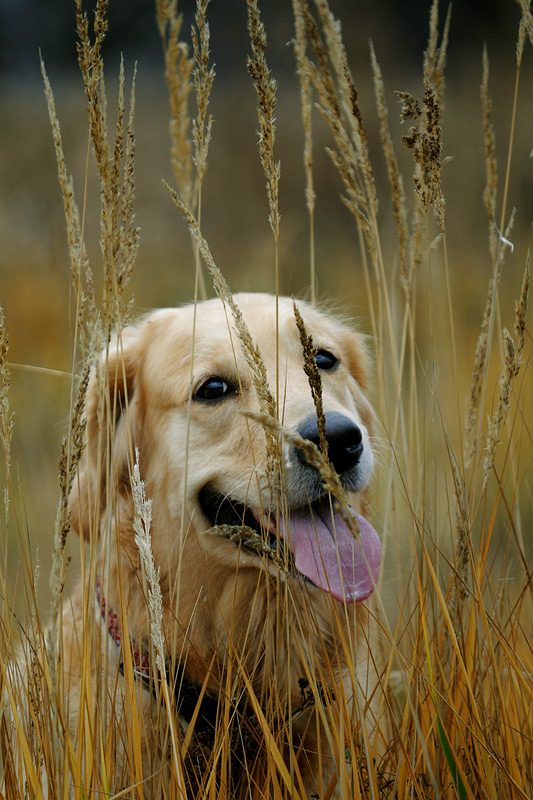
339,552
223,510
245,528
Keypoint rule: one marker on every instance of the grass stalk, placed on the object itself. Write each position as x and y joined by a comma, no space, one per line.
265,86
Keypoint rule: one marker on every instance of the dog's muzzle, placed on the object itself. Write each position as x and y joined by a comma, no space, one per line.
344,439
346,452
338,551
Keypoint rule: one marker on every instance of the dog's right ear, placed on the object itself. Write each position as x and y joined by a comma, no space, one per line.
109,397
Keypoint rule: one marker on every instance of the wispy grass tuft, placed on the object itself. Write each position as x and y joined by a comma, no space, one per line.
513,358
265,86
142,522
395,178
6,416
251,353
424,139
338,104
491,186
6,432
119,235
178,73
313,375
300,52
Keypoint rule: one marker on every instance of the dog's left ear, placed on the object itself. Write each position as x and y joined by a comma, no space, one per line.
358,359
109,403
359,367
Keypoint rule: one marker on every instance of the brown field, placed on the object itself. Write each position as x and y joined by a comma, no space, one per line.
452,496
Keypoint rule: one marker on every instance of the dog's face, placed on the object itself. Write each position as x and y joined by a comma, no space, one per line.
180,399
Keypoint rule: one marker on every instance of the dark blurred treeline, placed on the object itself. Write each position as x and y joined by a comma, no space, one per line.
395,27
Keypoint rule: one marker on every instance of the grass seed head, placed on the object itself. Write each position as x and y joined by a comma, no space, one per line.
265,87
6,416
179,67
491,187
313,375
395,178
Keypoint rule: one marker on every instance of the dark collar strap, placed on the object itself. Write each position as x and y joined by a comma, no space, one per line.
140,658
187,692
245,736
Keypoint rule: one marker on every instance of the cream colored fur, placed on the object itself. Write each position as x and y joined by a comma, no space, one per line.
223,605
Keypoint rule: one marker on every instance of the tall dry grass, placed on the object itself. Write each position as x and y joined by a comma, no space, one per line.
452,495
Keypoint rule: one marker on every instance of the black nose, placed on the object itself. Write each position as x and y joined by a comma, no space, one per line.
344,437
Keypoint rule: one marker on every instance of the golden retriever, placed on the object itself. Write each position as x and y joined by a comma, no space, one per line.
260,570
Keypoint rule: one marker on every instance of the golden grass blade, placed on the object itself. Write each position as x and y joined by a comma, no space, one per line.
435,56
395,177
313,376
265,87
32,774
178,73
6,418
491,187
424,139
337,102
513,354
270,741
300,48
478,378
71,452
119,236
203,76
525,30
79,263
252,355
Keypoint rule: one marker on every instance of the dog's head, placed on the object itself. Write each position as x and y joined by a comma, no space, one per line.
175,386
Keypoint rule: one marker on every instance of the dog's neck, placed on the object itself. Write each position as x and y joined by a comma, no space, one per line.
190,696
191,699
140,657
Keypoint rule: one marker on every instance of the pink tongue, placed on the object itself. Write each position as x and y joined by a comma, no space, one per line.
327,552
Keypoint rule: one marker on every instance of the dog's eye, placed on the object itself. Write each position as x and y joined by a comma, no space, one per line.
213,389
325,360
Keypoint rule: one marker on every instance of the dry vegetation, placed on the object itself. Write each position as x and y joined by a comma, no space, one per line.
453,493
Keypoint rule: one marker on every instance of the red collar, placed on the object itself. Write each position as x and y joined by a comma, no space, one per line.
140,658
191,698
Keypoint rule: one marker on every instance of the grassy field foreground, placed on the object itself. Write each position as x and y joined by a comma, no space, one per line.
452,496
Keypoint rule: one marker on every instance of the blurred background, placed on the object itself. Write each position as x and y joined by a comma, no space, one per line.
34,265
